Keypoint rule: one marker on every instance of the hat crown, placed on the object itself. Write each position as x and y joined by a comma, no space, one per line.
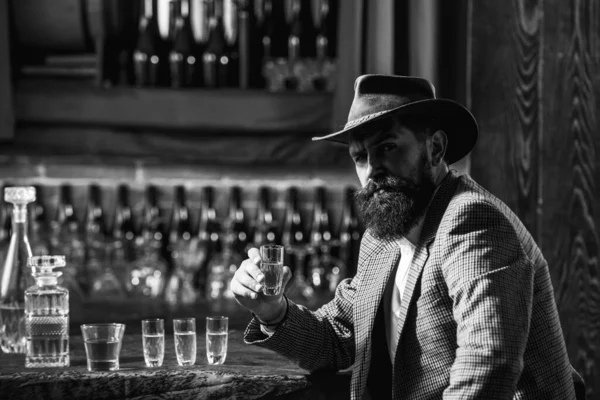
376,94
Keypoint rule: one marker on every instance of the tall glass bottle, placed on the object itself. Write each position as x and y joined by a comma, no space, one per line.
150,55
297,247
350,234
15,277
47,315
184,57
208,238
184,254
67,239
217,63
236,222
149,271
123,227
95,241
325,271
264,230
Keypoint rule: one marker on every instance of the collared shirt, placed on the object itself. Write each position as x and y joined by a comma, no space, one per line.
392,299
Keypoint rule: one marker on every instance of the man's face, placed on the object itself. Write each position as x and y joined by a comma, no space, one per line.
394,168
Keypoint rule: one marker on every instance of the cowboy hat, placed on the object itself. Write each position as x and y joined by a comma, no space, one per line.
379,96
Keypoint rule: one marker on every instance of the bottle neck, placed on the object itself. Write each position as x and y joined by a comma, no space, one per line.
19,220
46,281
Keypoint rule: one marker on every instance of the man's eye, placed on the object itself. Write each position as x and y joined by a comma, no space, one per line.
388,146
359,158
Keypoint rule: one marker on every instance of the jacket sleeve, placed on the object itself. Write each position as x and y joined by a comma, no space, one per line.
490,281
319,340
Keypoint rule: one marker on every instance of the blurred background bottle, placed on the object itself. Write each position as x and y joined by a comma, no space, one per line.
150,56
185,56
265,231
297,247
148,274
67,239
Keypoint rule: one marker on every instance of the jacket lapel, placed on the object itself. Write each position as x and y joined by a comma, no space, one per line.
380,262
433,217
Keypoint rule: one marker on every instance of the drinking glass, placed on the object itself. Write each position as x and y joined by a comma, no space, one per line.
216,339
153,336
103,345
271,265
185,340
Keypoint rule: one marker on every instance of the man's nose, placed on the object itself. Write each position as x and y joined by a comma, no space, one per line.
374,168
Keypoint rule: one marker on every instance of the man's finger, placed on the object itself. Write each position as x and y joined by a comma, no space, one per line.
254,255
255,272
287,275
248,281
239,290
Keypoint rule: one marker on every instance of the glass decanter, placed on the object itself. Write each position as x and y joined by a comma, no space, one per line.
47,315
14,278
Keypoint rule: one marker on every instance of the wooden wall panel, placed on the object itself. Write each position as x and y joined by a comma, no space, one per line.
534,88
6,102
570,179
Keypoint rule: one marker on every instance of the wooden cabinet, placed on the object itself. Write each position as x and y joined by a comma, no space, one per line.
79,103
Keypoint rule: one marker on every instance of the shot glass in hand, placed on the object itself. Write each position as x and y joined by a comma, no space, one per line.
153,337
271,265
103,345
216,339
185,340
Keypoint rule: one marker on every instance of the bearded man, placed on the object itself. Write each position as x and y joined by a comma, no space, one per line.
452,297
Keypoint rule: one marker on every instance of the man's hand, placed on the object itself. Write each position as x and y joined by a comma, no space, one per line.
247,285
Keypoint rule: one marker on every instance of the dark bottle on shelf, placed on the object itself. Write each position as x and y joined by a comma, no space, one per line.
39,234
95,242
209,236
180,227
264,230
67,239
236,222
325,270
297,247
148,273
250,50
184,57
184,254
123,227
304,28
217,63
150,55
350,233
232,36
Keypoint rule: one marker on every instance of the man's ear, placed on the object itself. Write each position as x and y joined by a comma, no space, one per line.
439,144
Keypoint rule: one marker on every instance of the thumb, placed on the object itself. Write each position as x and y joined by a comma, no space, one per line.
287,275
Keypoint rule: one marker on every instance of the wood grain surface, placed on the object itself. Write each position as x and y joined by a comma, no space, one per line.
249,372
535,85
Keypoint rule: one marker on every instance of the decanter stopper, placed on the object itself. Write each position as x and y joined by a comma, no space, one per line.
19,194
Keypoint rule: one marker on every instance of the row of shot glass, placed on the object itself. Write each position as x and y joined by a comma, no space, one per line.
103,342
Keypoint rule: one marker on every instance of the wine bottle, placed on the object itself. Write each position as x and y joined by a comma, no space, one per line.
150,56
297,247
149,271
325,270
95,241
185,56
236,222
350,233
123,227
67,239
209,237
264,230
217,63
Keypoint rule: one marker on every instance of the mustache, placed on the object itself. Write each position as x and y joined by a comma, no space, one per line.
386,183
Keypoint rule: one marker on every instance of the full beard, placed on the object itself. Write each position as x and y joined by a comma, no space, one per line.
391,206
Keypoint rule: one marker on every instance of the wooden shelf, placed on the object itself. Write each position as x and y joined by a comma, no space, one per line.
257,111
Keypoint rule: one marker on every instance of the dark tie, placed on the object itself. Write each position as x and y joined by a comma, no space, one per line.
379,381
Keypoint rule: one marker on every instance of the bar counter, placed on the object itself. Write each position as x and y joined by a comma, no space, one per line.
249,372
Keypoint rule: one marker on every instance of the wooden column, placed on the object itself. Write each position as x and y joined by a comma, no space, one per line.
534,88
6,102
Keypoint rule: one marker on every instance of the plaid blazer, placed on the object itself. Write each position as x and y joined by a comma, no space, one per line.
478,317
